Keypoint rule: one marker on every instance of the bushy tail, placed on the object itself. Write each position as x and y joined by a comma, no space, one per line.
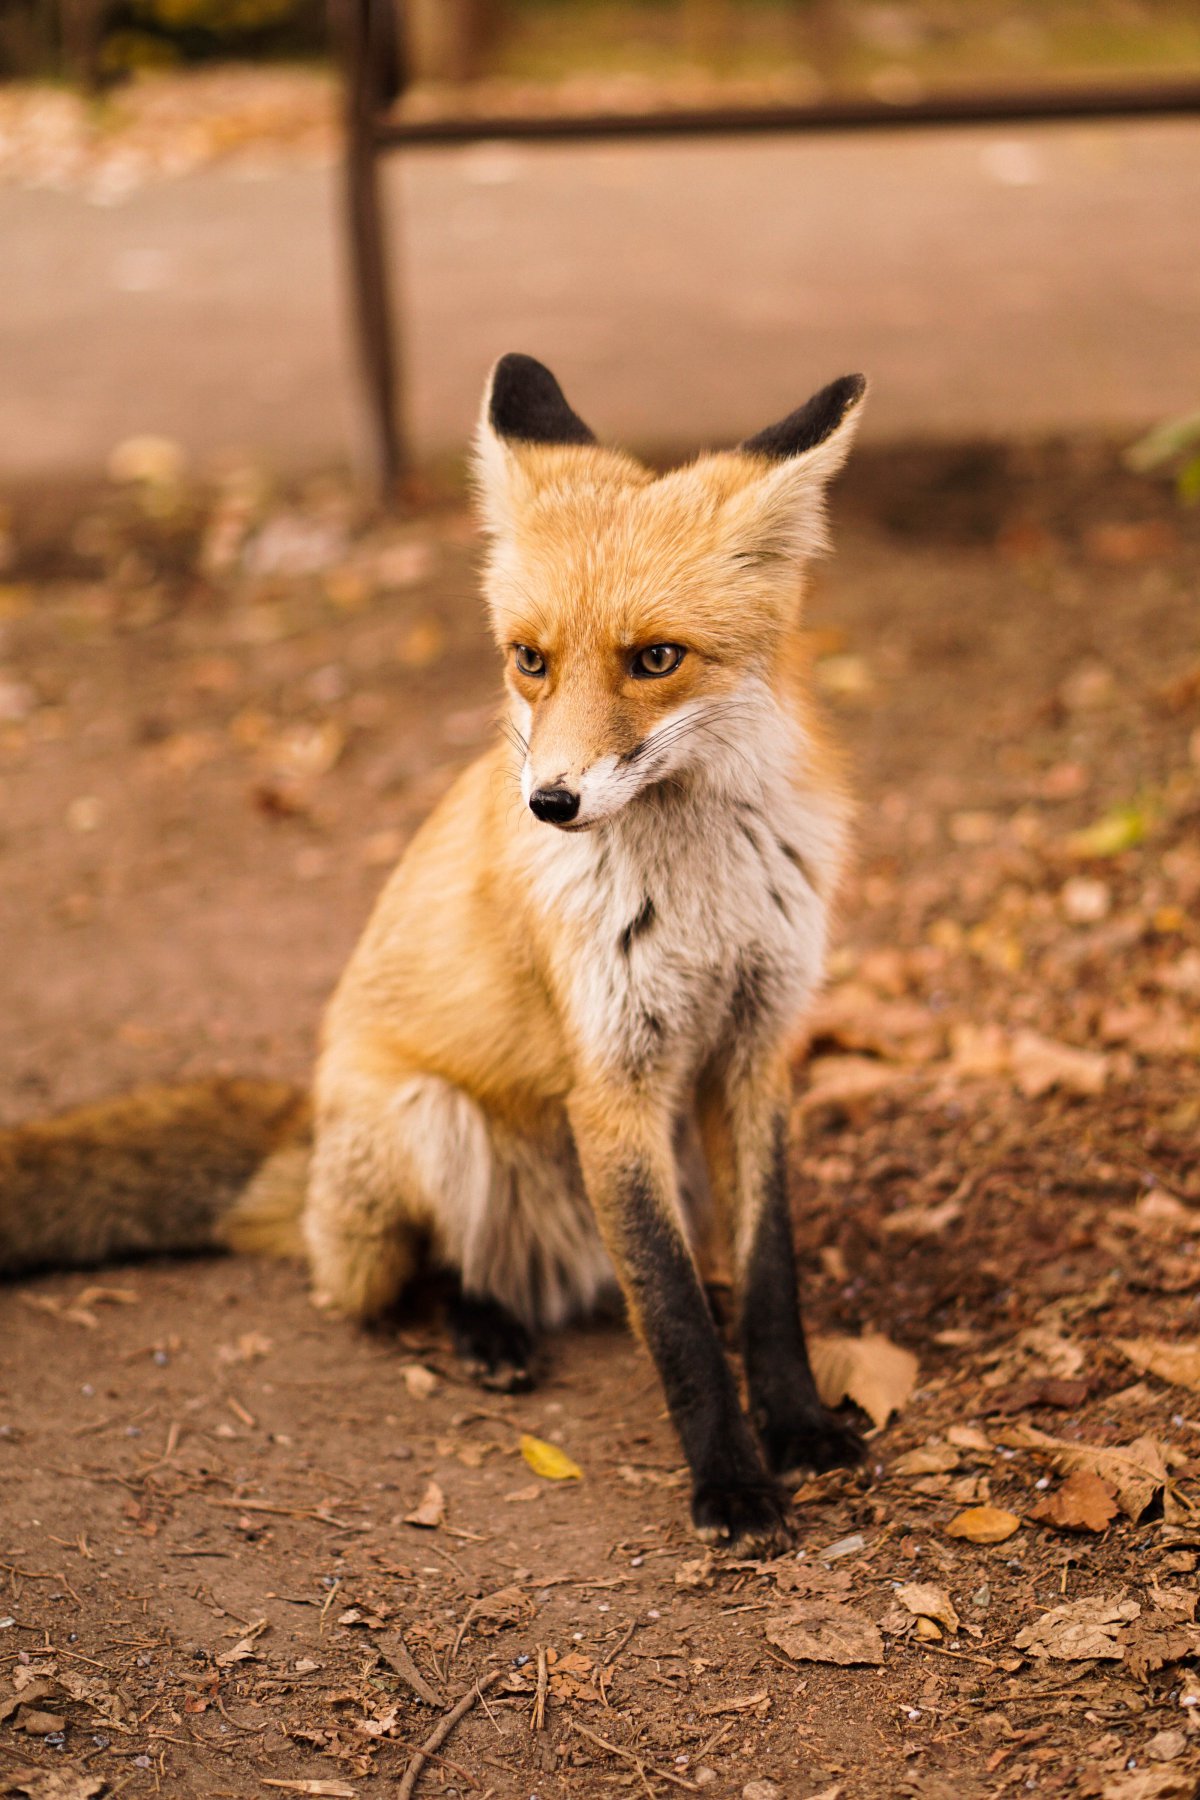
159,1170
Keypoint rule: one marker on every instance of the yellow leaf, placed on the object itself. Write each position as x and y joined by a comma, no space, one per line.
984,1525
1120,830
548,1461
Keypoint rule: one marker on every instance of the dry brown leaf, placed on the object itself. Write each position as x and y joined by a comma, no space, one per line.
979,1051
496,1612
52,1784
812,1580
969,1437
1177,1363
243,1650
1050,1351
1082,1503
922,1221
871,1371
1159,1639
1150,1784
927,1459
1136,1472
421,1382
1083,1630
816,1631
696,1572
37,1723
845,1080
431,1512
984,1525
926,1601
332,1790
1039,1064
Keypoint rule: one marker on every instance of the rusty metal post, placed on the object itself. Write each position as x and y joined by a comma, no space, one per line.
372,64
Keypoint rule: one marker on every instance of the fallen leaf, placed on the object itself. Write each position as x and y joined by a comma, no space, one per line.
815,1631
420,1381
548,1461
845,1080
1165,1746
874,1373
925,1601
431,1512
1082,1630
1158,1640
38,1723
1150,1784
984,1525
1039,1064
1120,830
496,1612
332,1790
813,1581
251,1346
52,1784
928,1459
1082,1503
1177,1363
243,1650
696,1572
969,1437
922,1221
1136,1472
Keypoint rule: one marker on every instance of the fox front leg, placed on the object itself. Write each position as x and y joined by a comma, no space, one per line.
744,1124
629,1170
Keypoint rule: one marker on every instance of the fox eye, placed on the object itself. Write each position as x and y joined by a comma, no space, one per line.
528,660
657,660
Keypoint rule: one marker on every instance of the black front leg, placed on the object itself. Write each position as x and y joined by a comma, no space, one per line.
797,1429
734,1499
629,1170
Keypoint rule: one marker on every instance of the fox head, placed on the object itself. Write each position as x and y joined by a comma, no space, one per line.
636,612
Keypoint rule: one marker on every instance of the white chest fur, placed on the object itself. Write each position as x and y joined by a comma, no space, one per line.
700,911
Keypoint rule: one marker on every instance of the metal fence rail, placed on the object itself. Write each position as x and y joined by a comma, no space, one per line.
374,78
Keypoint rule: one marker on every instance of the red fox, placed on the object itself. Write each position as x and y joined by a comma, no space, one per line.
591,960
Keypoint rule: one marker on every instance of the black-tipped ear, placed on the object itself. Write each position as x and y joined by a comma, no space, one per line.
811,423
527,404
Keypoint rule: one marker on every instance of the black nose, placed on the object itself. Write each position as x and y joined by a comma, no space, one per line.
556,806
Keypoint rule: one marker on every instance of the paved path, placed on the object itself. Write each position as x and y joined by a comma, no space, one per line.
989,281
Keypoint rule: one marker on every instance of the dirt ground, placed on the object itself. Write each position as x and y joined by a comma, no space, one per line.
221,713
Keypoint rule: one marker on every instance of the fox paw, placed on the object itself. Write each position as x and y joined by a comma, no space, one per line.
814,1443
495,1348
739,1515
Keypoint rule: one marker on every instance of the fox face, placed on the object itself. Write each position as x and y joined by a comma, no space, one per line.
640,617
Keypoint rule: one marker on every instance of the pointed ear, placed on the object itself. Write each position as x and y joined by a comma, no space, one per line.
523,409
782,513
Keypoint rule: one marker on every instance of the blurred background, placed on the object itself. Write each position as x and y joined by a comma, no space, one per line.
170,209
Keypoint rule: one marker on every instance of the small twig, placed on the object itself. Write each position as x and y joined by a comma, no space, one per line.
612,1655
742,1703
718,1737
334,1585
284,1512
985,1662
538,1721
629,1757
401,1661
441,1732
